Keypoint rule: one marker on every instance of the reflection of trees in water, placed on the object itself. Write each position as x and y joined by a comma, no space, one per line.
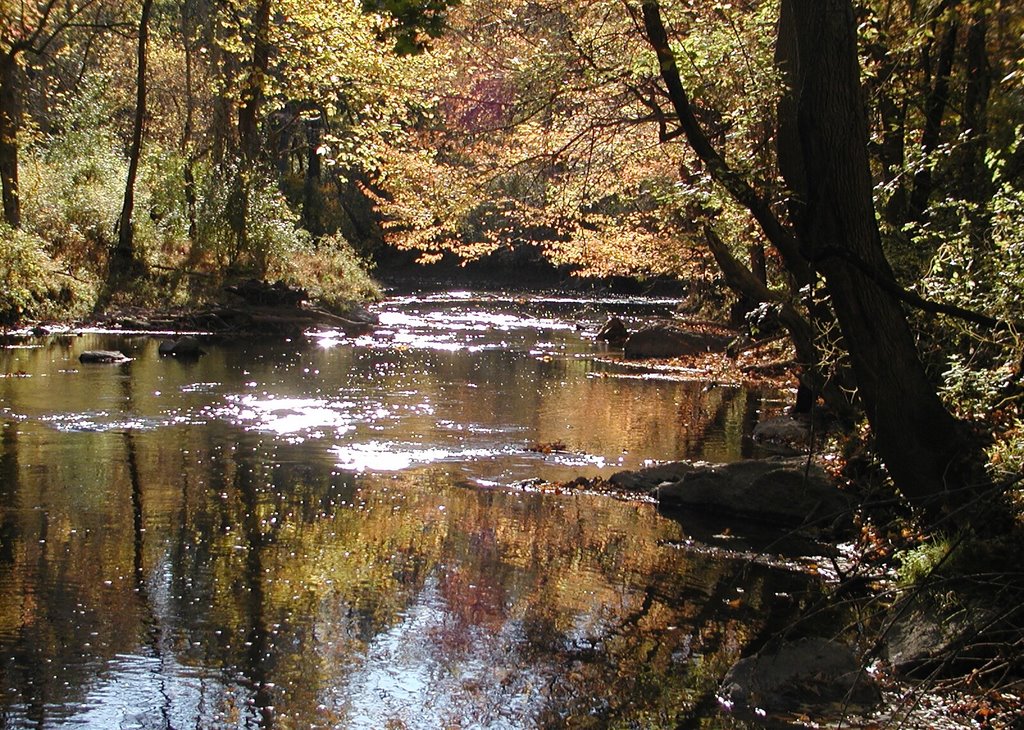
268,579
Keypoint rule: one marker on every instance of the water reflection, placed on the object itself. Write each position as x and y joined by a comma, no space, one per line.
291,535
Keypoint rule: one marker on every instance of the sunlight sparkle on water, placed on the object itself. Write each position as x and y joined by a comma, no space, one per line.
391,456
286,416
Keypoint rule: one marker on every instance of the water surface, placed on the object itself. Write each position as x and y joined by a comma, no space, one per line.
325,532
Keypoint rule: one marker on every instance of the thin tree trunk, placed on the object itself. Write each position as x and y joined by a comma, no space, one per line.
10,119
125,261
188,173
252,93
800,332
312,196
923,446
934,111
975,183
734,183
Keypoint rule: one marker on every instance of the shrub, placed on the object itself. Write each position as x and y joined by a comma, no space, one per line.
332,272
244,224
31,283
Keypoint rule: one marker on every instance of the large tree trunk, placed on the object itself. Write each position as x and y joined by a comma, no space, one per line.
10,116
923,446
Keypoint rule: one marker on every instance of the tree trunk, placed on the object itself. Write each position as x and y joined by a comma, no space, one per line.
252,91
124,261
934,110
187,154
10,118
312,195
975,181
923,446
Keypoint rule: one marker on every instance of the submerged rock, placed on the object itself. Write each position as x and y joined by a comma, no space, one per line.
669,341
807,672
103,356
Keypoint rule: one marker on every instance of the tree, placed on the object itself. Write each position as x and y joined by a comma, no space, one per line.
26,28
124,260
926,450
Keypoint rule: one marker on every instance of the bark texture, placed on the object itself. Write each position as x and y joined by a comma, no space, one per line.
923,446
10,113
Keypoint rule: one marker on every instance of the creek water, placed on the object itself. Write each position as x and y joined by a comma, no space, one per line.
321,532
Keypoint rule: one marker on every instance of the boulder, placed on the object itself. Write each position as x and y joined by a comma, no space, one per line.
613,332
785,432
784,492
184,347
667,341
807,672
103,356
927,633
134,323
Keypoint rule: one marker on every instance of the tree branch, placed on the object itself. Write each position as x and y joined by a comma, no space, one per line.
720,170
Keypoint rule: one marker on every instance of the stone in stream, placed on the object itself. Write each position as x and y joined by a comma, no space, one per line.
784,432
103,356
780,491
613,332
785,492
184,347
667,341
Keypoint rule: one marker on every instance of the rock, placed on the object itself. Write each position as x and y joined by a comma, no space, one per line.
925,635
184,347
613,332
811,671
648,479
134,323
784,431
667,341
778,491
103,356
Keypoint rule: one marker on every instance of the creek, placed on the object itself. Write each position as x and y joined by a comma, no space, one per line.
321,532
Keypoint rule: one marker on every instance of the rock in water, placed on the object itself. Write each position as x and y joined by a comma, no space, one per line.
103,356
785,492
185,347
613,332
667,341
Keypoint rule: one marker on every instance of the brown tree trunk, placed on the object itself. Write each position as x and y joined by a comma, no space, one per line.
312,195
252,92
10,118
187,154
934,111
124,260
975,182
923,446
